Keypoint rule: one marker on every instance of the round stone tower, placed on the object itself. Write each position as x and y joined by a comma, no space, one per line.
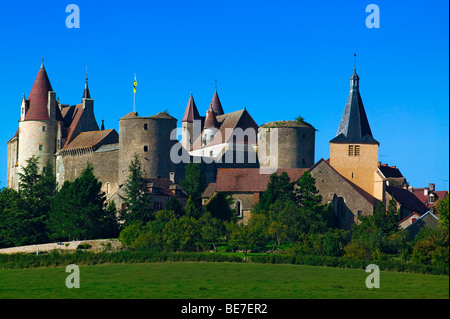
40,120
286,144
149,138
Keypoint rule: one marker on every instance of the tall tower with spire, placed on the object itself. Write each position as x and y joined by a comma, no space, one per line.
191,124
354,151
40,119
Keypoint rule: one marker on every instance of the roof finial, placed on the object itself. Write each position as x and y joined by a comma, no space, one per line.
86,73
354,63
215,84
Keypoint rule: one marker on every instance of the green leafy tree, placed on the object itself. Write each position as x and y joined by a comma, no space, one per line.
306,193
194,183
212,230
77,211
36,191
191,209
219,206
279,187
174,205
442,209
136,199
13,230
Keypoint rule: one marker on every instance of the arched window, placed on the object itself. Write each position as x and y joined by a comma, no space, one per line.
238,206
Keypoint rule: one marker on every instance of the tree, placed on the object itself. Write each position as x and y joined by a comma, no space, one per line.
36,191
279,187
306,193
212,230
13,230
174,205
194,183
442,209
136,200
219,206
77,211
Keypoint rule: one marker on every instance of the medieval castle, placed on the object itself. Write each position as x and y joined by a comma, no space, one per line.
232,147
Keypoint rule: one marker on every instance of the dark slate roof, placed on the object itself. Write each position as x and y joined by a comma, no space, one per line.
390,172
354,126
407,199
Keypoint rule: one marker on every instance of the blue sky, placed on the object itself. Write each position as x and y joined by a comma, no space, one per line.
279,59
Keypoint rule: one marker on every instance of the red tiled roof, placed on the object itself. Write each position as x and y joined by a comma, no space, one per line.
419,193
249,179
92,139
191,112
39,98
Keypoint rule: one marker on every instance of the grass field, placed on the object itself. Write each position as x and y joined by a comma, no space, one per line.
216,280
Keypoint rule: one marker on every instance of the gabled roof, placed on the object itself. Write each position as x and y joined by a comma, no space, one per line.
354,126
390,172
39,98
227,123
191,112
407,199
76,120
425,199
368,197
93,139
216,105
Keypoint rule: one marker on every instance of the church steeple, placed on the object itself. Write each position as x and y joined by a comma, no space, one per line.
354,126
86,94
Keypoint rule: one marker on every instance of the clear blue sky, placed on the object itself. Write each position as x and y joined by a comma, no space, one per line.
279,59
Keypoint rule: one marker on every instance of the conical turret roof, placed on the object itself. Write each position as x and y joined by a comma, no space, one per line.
39,97
216,105
191,112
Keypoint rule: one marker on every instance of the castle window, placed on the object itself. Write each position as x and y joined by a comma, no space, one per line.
211,153
350,150
357,150
145,148
238,206
43,129
41,147
145,126
303,161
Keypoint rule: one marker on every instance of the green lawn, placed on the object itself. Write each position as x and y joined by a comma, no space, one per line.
217,280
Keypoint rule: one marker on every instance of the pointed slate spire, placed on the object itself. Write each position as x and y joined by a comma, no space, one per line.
191,112
39,96
354,126
86,94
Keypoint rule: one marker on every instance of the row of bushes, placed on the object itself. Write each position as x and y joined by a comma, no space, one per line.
342,262
55,259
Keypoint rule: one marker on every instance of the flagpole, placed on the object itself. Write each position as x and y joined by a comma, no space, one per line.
134,95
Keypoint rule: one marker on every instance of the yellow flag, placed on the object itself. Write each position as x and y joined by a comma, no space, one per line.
135,84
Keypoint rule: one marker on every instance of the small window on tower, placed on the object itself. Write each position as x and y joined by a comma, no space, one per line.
43,129
145,148
41,147
356,150
145,126
350,150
